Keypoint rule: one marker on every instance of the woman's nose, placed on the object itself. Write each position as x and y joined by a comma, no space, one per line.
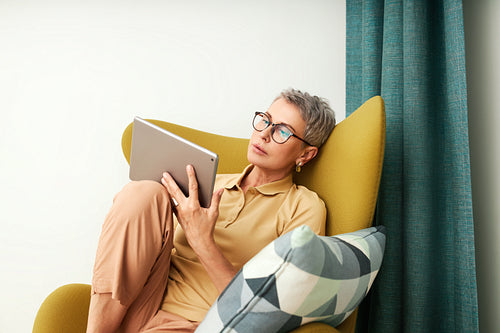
266,133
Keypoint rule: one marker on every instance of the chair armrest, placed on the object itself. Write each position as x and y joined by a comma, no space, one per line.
347,326
65,310
315,328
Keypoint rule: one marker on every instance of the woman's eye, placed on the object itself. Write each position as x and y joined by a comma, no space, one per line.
284,133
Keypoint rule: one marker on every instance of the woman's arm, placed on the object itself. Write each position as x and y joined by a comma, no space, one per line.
198,224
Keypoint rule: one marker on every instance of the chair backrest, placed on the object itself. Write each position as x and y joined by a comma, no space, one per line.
345,174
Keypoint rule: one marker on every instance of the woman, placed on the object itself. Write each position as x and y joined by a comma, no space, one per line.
149,279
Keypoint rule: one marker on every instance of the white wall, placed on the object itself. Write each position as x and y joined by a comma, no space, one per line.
483,75
72,76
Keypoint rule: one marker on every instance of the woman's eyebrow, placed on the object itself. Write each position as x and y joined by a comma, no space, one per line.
288,125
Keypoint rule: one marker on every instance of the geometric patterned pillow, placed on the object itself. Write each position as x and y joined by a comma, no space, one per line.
299,278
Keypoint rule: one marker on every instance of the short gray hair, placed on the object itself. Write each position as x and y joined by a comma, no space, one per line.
316,112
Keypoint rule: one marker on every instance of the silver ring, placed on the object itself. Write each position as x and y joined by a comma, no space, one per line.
175,202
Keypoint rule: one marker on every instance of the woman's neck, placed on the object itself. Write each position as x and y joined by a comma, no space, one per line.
257,177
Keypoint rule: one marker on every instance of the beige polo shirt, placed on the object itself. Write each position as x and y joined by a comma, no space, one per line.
247,223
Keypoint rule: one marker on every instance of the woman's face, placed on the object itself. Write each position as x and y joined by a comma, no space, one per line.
273,157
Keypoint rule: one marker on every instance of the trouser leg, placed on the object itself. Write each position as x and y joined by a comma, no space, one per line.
133,255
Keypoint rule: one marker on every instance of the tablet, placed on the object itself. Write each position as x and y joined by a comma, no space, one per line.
155,150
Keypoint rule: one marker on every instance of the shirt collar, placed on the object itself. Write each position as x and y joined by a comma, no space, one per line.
278,186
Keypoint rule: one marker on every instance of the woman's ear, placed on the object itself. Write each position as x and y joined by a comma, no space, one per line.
308,154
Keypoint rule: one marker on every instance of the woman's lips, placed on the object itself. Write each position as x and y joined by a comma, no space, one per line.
259,150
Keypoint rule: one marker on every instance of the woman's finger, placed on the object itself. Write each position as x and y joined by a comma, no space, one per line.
193,182
216,197
172,187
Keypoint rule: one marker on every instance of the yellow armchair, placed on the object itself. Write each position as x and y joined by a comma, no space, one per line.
346,175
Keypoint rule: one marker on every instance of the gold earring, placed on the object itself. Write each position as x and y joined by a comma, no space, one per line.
298,167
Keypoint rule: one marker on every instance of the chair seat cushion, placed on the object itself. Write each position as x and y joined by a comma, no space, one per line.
299,278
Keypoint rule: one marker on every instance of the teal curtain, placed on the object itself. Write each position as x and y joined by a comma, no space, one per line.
412,54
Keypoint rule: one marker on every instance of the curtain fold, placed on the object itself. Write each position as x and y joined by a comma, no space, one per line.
412,54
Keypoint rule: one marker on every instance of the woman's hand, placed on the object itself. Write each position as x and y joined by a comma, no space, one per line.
197,222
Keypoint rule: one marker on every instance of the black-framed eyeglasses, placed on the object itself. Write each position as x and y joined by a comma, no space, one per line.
280,133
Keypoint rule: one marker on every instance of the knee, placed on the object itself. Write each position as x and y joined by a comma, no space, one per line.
140,195
144,188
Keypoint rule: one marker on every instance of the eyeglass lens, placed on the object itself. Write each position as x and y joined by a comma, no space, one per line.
280,133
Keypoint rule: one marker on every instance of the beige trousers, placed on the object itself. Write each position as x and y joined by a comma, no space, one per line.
133,258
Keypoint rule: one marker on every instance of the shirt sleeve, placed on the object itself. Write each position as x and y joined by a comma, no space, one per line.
305,208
